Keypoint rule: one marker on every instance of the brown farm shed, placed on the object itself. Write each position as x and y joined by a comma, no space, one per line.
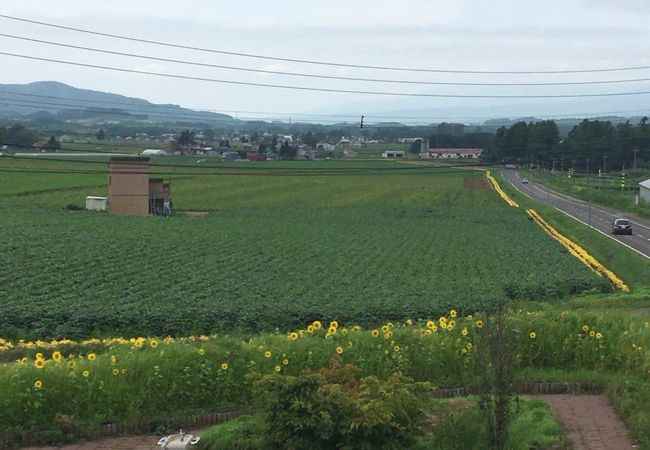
132,192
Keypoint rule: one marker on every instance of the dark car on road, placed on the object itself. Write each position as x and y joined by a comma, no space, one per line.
621,226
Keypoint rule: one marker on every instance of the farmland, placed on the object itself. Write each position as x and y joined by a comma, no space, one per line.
280,247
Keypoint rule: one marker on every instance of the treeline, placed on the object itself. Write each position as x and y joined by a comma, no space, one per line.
591,145
18,135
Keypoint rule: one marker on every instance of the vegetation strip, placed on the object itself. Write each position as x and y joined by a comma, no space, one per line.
500,191
579,252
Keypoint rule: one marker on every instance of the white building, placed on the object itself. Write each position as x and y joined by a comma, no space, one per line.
96,203
453,153
393,154
644,191
154,152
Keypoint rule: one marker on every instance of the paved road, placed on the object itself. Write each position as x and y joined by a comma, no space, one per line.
599,217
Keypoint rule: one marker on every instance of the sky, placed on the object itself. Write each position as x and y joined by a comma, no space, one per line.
500,35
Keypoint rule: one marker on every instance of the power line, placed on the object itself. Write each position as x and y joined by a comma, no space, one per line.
351,116
315,62
134,112
328,77
316,89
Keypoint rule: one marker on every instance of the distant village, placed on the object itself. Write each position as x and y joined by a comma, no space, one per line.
263,146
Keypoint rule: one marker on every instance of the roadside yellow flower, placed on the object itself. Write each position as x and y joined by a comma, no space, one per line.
293,336
310,328
409,322
599,335
123,371
390,325
92,357
278,368
469,346
267,354
479,324
385,329
334,324
453,313
285,361
331,330
592,333
442,320
56,356
38,384
72,364
396,349
374,333
153,343
317,325
339,350
451,324
388,335
470,317
585,328
39,363
201,351
85,373
431,324
532,335
116,372
39,356
224,366
23,360
113,360
464,331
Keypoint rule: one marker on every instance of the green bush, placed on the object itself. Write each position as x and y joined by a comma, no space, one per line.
242,433
333,409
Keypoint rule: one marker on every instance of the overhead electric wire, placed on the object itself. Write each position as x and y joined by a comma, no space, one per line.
327,77
368,118
135,112
316,89
316,62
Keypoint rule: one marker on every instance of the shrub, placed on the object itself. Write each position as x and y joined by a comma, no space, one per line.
333,409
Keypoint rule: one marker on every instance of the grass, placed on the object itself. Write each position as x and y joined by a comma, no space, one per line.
450,425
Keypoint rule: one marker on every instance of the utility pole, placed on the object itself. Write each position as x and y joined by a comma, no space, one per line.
605,162
589,188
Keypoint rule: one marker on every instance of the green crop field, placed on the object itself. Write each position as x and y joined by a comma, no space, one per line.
282,245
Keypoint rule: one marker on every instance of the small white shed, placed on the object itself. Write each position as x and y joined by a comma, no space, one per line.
644,191
96,203
154,152
393,154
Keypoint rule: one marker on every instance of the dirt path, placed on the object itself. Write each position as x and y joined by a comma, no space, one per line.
590,422
143,442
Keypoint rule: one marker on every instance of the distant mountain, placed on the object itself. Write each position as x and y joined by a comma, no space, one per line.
60,101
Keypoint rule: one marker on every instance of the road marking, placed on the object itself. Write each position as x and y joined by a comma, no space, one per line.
587,225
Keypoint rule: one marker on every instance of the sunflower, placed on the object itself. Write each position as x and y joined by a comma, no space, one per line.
39,363
92,357
339,350
224,366
56,356
375,333
38,384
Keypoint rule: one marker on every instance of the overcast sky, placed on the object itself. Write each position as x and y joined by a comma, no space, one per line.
502,35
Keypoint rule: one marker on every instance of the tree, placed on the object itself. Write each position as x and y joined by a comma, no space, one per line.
101,135
186,137
415,147
287,151
310,140
53,144
20,136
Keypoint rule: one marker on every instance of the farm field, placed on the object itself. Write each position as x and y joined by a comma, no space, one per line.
357,242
